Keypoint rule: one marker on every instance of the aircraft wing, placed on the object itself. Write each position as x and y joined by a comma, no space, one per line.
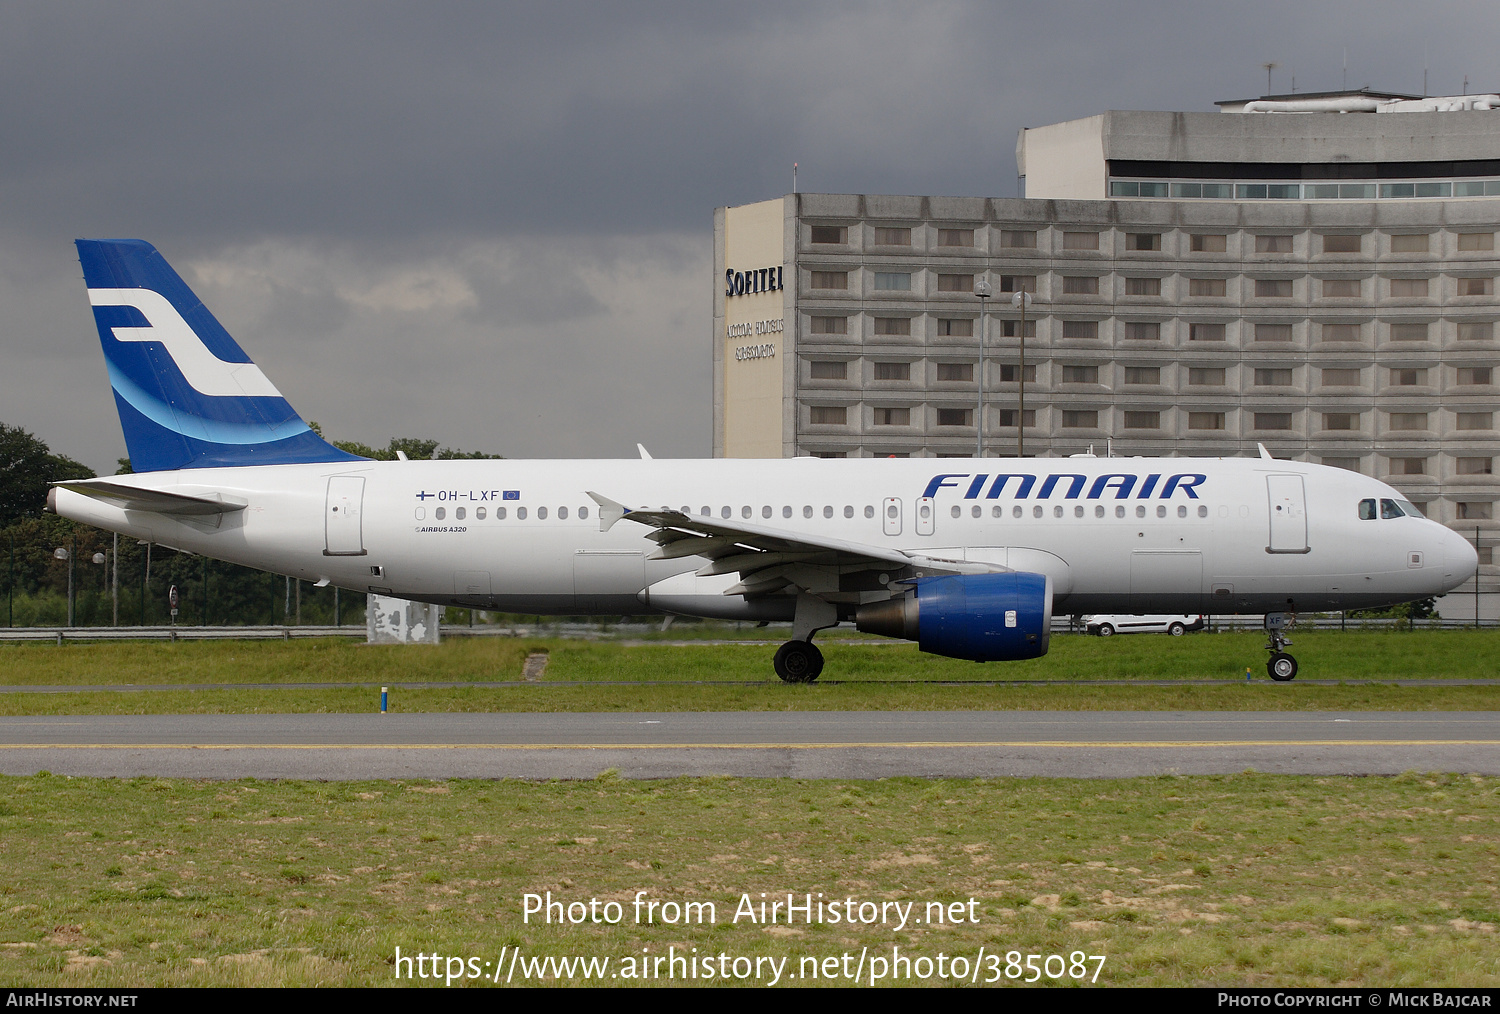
132,498
769,559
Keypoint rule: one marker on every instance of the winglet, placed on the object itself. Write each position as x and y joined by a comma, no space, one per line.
1264,454
645,454
609,511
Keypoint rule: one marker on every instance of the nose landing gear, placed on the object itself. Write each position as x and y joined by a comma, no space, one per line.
1281,667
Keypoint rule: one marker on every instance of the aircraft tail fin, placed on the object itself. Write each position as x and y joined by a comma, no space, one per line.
187,394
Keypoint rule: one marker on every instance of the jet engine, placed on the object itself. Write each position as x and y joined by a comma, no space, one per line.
981,617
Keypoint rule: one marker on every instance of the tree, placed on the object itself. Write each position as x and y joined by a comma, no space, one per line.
415,449
27,469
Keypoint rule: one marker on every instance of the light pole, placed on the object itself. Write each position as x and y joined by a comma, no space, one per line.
983,290
60,553
1021,299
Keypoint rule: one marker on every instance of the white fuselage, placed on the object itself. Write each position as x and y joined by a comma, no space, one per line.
1114,534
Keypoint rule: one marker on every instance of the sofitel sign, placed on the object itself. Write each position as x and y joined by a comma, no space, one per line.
742,283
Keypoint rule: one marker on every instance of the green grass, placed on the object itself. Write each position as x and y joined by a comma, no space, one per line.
1249,879
1323,654
709,677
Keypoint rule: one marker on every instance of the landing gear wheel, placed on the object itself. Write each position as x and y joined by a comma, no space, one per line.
1177,630
798,662
1282,667
1105,630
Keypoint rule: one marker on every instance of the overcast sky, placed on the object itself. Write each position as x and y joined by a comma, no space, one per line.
490,224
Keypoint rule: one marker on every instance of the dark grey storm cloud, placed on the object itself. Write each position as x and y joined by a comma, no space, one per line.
316,168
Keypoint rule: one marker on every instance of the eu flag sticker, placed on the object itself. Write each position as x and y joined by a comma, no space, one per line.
511,494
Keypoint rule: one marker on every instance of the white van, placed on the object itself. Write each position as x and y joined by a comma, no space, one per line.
1108,626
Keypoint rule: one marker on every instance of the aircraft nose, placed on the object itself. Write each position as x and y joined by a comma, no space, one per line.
1459,557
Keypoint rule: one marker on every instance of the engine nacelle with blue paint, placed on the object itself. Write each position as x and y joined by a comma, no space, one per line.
981,617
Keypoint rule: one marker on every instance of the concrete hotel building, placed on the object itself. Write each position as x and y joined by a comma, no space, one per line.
1322,284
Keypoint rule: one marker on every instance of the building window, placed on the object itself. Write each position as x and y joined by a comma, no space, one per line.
893,371
829,415
955,237
1408,466
1210,243
1008,417
1340,332
955,328
1143,241
1274,288
830,280
1143,286
1080,420
1468,241
1408,378
1476,466
827,369
1476,420
1206,376
1018,239
1409,332
1476,286
1142,331
893,281
1273,244
829,454
1470,510
893,417
1351,464
1273,377
1273,332
953,417
830,325
956,283
1143,420
1207,286
1469,375
1409,243
1341,244
1340,288
1008,374
887,236
830,234
1205,332
1341,377
1080,329
893,325
1018,283
1475,331
1341,420
1205,420
1078,285
1143,374
1408,420
1011,328
1080,374
1408,288
1080,241
955,372
1273,420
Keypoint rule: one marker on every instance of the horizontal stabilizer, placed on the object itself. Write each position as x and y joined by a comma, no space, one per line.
131,498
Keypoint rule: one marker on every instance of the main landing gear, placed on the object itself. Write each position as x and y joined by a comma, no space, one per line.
1281,667
799,660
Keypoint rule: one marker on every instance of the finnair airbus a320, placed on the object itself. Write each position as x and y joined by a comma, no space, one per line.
970,558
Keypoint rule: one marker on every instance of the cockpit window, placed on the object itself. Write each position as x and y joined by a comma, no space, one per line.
1388,510
1367,510
1410,509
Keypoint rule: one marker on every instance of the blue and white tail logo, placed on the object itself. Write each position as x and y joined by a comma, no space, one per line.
188,396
